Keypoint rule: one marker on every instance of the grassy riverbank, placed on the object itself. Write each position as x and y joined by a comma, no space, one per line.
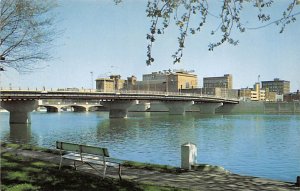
27,168
24,173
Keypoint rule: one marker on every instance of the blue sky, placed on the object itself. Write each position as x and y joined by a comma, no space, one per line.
105,39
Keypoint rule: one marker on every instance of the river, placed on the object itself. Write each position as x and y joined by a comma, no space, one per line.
256,145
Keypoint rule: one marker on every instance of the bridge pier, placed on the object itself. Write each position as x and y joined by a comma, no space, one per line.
118,108
19,110
178,107
208,108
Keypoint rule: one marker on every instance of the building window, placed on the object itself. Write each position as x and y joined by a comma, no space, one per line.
187,85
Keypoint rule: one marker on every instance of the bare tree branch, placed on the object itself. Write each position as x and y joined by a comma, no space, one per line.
26,32
229,16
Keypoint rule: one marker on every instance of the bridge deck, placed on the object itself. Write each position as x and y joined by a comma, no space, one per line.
109,96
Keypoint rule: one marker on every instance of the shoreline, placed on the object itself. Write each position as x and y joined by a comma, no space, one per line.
206,177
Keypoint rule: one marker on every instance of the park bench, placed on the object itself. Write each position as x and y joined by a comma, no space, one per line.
89,155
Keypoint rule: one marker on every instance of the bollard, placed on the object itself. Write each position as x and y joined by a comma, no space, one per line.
298,181
188,155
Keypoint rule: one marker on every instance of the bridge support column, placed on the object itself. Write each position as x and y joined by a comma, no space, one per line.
118,108
208,108
178,107
19,110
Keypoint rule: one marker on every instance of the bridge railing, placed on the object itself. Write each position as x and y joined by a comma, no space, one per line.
68,102
14,88
137,92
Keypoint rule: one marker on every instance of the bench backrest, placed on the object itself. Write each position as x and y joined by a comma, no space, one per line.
82,148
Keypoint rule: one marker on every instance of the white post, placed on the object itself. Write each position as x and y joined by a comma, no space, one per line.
188,155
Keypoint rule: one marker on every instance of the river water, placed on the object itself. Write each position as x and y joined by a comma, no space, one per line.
256,145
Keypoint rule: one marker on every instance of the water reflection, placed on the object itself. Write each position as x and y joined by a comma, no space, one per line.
20,133
139,114
259,145
112,127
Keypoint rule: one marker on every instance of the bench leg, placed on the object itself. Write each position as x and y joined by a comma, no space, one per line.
60,162
75,165
104,170
120,172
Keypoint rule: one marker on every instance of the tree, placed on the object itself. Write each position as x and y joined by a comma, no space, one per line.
229,16
26,32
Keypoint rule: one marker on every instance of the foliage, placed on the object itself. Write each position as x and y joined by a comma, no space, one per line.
228,16
27,30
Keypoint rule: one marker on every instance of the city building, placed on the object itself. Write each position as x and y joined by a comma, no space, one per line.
217,86
130,83
257,94
169,81
118,82
114,82
218,82
292,97
278,86
245,94
105,84
181,80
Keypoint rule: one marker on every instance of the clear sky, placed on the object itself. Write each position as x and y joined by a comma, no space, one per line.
105,39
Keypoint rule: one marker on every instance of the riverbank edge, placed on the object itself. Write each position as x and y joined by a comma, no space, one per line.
127,163
163,169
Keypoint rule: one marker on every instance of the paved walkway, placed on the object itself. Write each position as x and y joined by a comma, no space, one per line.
193,180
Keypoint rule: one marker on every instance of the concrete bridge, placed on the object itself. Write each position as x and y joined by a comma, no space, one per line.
62,105
21,102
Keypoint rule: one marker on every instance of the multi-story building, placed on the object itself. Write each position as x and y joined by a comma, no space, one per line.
118,82
130,83
292,97
156,81
218,86
169,81
105,84
245,94
257,94
278,86
181,80
114,82
218,82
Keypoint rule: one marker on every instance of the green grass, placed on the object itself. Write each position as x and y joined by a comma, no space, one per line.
22,173
156,167
19,187
27,147
31,174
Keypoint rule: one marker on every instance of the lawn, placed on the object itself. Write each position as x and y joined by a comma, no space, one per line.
20,173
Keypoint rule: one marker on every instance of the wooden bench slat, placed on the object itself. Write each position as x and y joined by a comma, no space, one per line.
88,155
67,146
94,150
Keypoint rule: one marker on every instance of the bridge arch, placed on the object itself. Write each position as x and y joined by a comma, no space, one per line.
95,108
50,108
78,108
